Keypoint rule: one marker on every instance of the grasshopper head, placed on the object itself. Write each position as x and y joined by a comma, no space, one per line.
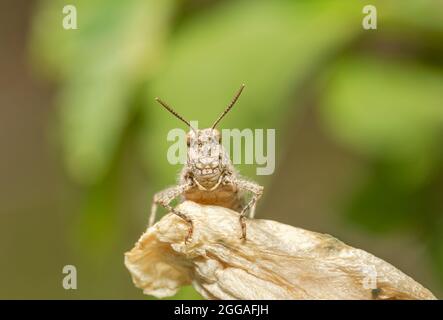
206,157
206,160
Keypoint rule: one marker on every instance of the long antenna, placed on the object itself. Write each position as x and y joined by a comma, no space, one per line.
172,111
234,100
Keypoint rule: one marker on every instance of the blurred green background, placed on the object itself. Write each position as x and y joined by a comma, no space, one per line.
358,114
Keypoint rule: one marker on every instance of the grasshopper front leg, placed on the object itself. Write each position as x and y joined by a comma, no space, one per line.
257,191
164,198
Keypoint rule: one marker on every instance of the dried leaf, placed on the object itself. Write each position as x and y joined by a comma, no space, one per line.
276,261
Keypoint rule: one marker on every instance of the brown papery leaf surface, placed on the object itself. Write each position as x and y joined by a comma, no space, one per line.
276,261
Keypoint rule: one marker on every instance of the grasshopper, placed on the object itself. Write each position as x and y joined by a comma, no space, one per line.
208,176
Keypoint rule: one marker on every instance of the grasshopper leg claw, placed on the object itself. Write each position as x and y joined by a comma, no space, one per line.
243,227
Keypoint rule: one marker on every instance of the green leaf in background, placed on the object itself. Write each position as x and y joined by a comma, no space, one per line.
99,68
383,198
387,109
391,112
100,65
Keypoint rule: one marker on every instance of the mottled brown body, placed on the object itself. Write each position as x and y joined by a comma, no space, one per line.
225,195
209,177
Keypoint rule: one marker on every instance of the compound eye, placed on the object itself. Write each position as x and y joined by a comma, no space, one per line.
188,140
